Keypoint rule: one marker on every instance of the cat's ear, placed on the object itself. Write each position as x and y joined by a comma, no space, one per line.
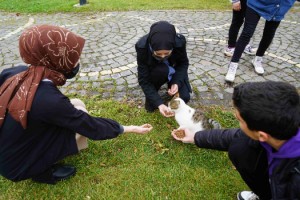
176,95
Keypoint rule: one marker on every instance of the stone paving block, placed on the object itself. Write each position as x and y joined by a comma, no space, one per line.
202,89
96,84
229,90
126,73
105,77
258,79
93,78
272,77
220,78
121,88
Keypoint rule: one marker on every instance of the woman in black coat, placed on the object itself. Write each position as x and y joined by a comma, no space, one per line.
162,58
38,124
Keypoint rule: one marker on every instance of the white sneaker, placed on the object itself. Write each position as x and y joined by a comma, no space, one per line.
249,50
257,65
229,51
247,195
230,76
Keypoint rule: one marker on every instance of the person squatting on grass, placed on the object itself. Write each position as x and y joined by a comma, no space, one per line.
162,58
266,148
273,12
38,124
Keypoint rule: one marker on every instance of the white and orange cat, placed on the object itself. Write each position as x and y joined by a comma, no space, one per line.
190,118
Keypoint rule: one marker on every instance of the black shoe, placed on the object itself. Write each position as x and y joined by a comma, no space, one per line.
55,173
149,108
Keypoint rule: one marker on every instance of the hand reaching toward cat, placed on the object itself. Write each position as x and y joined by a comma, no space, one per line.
165,111
143,129
188,136
173,90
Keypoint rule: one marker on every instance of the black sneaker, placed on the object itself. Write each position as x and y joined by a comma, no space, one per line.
55,173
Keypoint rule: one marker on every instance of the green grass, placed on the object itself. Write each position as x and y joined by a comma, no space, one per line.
50,6
152,166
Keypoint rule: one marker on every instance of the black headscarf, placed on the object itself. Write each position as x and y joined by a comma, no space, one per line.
162,36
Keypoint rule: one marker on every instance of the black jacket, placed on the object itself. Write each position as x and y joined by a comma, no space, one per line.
146,62
50,135
285,180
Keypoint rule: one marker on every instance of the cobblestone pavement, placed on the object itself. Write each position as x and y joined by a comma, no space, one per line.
109,61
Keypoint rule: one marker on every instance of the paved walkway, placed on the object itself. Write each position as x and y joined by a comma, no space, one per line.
109,60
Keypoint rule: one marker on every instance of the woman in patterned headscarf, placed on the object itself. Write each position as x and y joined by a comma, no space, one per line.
38,124
162,58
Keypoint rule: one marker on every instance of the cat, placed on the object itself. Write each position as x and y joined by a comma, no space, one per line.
190,118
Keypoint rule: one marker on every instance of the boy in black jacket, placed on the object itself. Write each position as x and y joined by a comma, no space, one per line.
266,148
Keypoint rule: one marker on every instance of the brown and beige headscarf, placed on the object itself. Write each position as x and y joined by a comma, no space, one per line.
52,53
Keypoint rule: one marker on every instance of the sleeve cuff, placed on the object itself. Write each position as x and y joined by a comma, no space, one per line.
195,139
121,129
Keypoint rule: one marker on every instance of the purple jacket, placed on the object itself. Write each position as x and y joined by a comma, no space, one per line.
290,149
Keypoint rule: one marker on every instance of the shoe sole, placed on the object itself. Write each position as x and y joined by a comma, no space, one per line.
237,196
258,73
251,54
230,81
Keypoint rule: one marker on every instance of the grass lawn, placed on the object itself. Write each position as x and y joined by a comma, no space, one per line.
152,166
48,6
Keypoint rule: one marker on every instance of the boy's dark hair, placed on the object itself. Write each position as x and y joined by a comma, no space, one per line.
272,107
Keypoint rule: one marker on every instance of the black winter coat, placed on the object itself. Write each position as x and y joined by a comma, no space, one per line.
285,180
146,63
50,135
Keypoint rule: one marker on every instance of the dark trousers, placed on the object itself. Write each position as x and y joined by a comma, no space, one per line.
236,23
251,162
251,21
159,76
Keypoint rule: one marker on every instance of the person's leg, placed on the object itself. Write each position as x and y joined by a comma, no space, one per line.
251,163
236,23
251,21
58,172
158,77
268,35
80,140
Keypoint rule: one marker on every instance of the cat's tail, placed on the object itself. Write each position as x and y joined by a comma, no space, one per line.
214,124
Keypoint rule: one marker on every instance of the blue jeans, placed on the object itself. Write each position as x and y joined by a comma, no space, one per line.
251,21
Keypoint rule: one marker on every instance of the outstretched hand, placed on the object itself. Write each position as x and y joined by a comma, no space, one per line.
165,111
188,136
143,129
